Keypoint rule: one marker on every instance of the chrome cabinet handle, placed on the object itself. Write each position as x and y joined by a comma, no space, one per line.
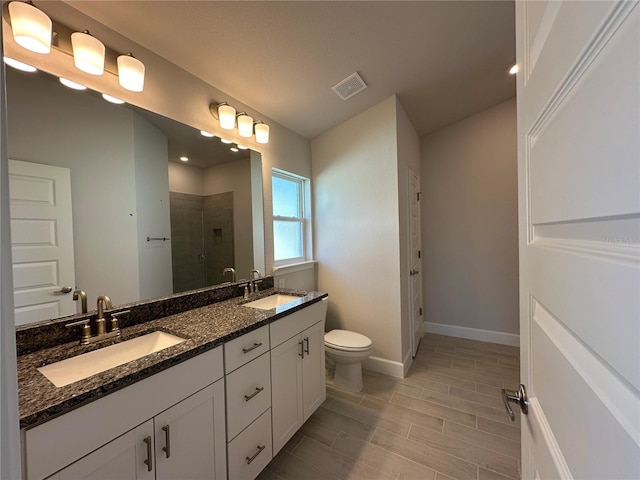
515,396
306,350
63,291
167,440
149,461
255,345
257,391
301,354
252,458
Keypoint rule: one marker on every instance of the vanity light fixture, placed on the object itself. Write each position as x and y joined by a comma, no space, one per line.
226,115
111,99
245,125
262,132
204,133
31,27
131,73
19,65
70,84
88,53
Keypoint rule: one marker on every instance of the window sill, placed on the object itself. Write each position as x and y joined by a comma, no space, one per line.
294,267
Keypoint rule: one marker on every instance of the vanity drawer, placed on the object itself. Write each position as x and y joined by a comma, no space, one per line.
243,349
251,451
248,394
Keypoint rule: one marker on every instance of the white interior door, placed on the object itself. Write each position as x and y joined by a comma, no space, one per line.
41,241
415,267
579,220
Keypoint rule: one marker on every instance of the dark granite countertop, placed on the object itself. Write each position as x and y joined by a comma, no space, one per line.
204,328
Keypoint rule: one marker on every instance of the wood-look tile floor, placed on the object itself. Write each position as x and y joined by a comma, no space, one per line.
444,421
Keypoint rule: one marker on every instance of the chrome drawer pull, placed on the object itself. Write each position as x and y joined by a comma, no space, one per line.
255,345
167,440
260,449
149,461
249,397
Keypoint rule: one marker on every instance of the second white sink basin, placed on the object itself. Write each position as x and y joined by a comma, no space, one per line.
272,301
83,366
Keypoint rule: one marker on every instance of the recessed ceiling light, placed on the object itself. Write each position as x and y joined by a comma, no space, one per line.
513,70
224,140
206,134
19,65
242,147
70,84
234,149
184,158
111,99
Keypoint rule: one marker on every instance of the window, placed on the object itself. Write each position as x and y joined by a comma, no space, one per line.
289,220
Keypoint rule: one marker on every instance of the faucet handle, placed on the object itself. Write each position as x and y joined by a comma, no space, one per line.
114,320
86,329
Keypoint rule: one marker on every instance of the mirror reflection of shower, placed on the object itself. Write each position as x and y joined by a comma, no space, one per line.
202,239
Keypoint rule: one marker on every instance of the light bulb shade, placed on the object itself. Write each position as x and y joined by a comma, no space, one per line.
245,125
88,53
131,73
31,27
262,133
226,116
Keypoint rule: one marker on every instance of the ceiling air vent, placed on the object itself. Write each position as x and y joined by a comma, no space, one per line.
350,86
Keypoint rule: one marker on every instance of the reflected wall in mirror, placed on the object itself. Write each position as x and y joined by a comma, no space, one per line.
120,161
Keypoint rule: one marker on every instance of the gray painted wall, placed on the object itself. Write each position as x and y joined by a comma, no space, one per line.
469,222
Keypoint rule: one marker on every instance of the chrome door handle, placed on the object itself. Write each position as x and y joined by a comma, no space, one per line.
149,461
255,345
253,457
515,396
257,391
167,441
63,291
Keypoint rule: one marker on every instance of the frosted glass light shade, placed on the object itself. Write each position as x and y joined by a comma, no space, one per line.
31,27
19,65
88,53
130,73
245,125
226,116
262,133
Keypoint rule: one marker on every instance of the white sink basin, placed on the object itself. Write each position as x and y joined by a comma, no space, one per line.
272,301
82,366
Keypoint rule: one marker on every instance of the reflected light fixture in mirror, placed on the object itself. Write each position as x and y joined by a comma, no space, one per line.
112,99
245,125
242,147
224,140
19,65
204,133
184,158
513,70
262,132
130,73
88,53
226,116
31,27
70,84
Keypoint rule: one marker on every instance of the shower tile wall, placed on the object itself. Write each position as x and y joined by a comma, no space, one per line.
201,239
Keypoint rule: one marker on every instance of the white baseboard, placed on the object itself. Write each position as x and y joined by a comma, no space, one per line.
382,365
473,333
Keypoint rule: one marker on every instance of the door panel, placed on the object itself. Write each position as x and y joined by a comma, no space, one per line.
579,220
313,382
415,267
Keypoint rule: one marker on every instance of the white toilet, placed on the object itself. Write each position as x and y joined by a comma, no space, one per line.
347,350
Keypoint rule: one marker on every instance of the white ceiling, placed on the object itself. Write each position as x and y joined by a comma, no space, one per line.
445,60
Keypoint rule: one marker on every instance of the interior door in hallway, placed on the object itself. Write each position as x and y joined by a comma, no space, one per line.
41,241
415,266
579,226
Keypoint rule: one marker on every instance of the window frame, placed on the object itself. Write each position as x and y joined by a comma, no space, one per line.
303,219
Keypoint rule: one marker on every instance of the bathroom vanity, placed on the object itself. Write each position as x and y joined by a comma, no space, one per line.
219,404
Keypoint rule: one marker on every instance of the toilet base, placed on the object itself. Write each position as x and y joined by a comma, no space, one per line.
348,377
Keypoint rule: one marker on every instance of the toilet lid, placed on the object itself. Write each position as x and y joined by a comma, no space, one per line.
346,340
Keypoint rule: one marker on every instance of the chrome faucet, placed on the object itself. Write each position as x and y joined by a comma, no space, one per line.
253,280
233,273
81,294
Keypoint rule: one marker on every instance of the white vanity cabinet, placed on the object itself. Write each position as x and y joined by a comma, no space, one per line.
97,440
297,370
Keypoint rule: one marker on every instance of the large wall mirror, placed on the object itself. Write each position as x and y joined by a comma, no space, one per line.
136,222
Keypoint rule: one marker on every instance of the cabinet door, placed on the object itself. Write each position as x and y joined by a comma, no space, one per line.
313,376
286,391
190,437
122,458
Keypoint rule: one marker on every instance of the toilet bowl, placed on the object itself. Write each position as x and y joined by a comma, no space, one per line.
347,350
